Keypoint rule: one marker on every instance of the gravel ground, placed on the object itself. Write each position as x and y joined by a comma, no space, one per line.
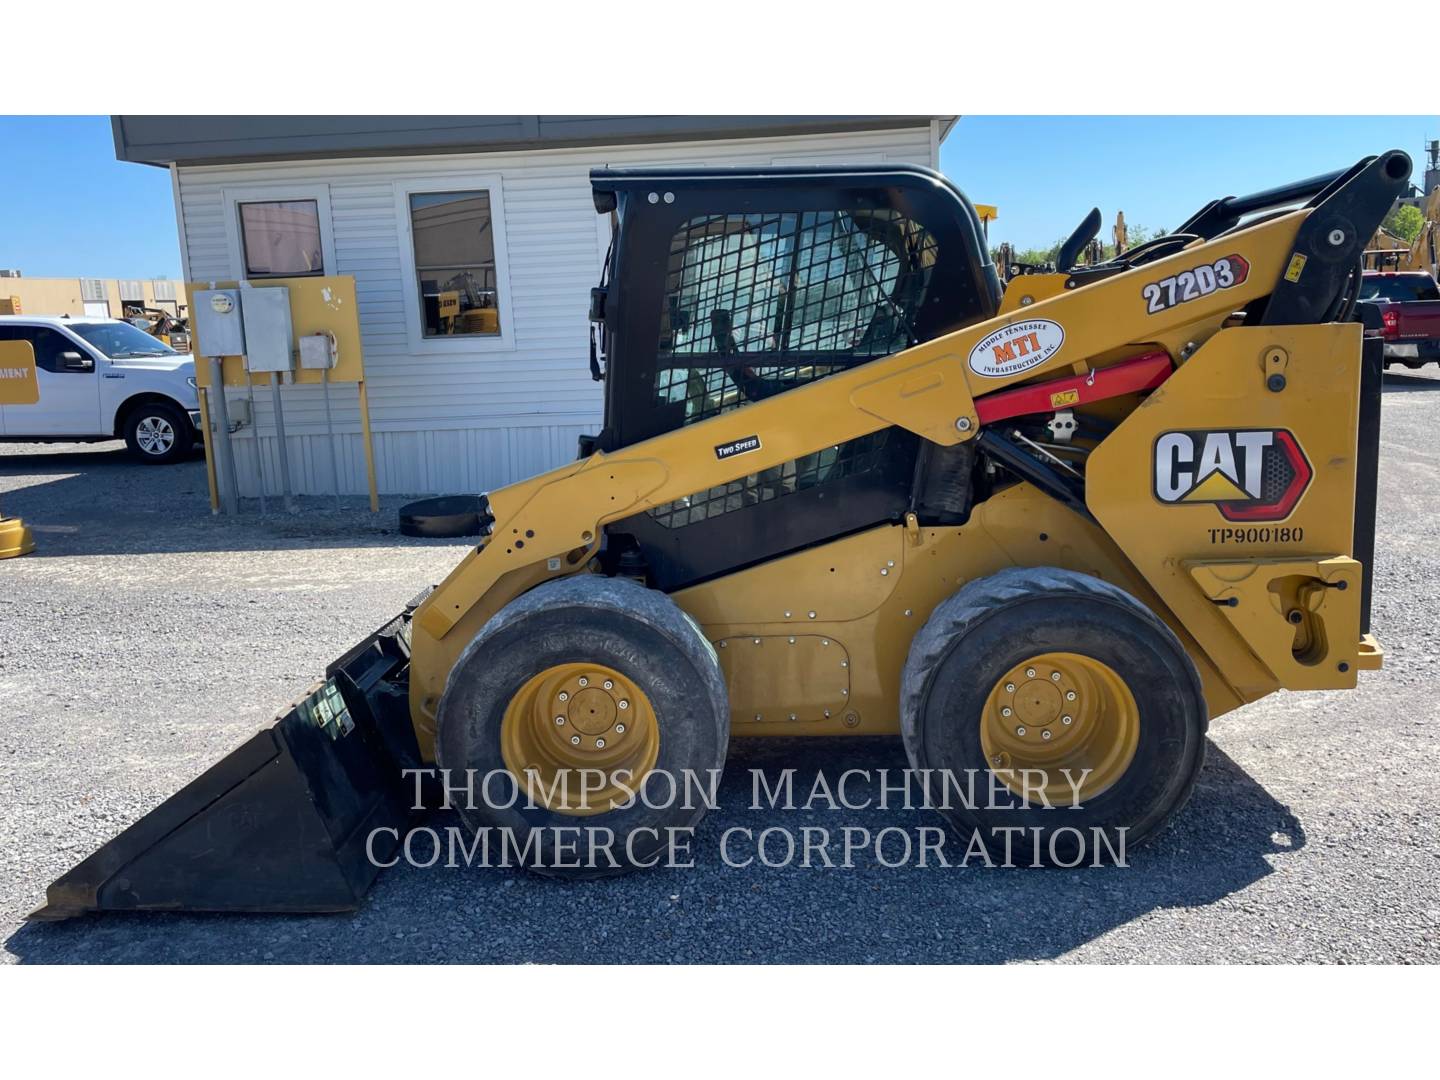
145,639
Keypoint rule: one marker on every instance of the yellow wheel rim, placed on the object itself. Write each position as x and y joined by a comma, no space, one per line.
1062,714
570,724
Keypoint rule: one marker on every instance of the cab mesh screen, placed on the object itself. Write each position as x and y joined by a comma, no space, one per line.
756,304
759,303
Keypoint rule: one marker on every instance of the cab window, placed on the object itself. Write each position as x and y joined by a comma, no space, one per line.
121,341
47,343
1399,288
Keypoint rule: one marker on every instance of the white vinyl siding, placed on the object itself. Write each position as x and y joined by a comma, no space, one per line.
470,419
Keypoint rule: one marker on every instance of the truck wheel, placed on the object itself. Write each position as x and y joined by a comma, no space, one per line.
601,709
1044,685
158,433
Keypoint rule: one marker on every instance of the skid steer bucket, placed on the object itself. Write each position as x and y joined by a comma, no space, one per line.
282,823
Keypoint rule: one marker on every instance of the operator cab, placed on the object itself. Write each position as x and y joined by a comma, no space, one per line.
741,283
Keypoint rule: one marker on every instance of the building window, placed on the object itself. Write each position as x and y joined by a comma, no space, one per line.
163,290
93,290
454,240
281,239
132,292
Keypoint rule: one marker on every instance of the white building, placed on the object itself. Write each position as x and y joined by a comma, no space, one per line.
474,244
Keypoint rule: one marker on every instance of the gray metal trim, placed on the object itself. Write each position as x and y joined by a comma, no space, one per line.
217,140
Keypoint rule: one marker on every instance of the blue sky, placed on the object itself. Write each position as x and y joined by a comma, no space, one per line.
70,209
1046,172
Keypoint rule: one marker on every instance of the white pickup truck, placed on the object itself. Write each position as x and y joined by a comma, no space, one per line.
104,379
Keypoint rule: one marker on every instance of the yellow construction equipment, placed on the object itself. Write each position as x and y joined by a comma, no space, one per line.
1387,251
847,484
159,323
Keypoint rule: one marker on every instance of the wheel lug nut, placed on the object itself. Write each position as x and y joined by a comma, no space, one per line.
609,685
574,740
559,720
599,744
1045,735
1029,672
1069,695
1005,711
1054,676
584,681
1020,731
1067,720
622,704
998,759
1009,688
564,695
619,729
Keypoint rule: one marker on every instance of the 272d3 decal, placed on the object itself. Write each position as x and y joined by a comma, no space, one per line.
1248,475
1194,283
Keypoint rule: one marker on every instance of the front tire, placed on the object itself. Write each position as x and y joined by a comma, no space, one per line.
158,433
1046,683
587,673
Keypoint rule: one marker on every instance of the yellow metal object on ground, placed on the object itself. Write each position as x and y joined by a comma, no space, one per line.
1063,715
18,387
15,538
582,735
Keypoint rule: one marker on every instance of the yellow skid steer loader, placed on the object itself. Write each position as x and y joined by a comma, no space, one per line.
847,484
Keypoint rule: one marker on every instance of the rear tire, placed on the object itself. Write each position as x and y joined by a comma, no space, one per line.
1077,638
158,433
598,642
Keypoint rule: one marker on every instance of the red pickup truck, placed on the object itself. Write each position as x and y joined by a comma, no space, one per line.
1409,303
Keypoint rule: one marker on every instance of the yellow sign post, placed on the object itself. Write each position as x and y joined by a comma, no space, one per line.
318,305
18,386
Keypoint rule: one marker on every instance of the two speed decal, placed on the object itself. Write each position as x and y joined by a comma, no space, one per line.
1192,284
737,447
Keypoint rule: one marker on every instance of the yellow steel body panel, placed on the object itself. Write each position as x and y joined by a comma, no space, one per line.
317,305
812,669
1301,617
549,526
1223,386
773,602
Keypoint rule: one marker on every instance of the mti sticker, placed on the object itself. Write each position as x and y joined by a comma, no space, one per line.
1016,348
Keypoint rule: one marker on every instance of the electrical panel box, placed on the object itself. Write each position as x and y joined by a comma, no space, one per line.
317,352
268,331
219,329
